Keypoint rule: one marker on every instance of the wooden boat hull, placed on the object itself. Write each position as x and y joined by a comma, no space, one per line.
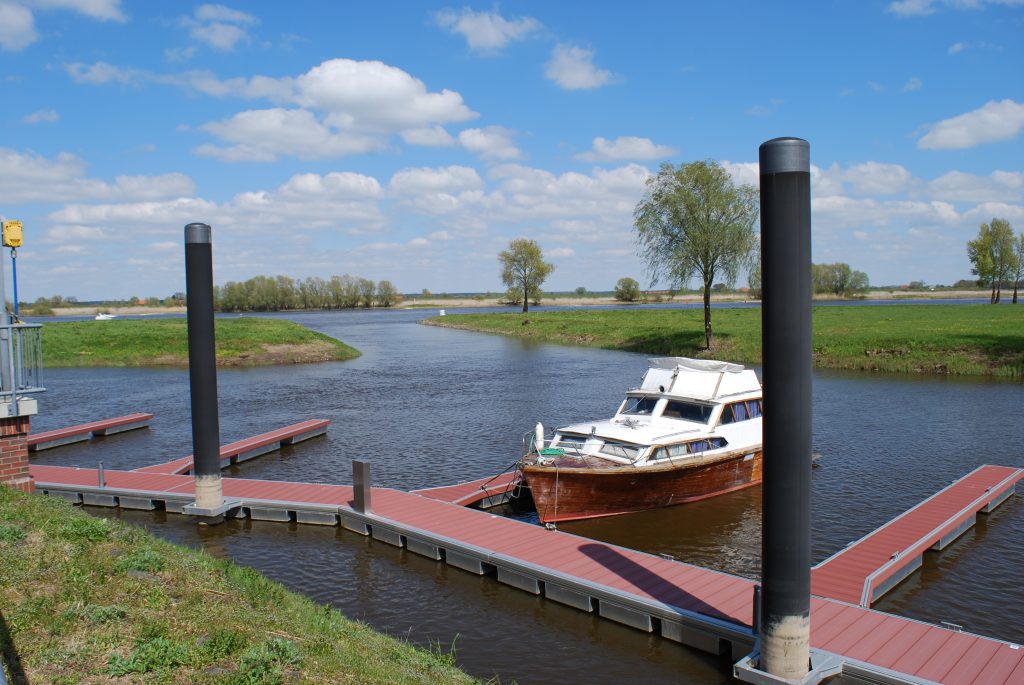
568,493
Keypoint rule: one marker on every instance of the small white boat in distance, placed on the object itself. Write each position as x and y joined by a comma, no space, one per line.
105,317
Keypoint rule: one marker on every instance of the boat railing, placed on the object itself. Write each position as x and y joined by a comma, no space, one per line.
21,361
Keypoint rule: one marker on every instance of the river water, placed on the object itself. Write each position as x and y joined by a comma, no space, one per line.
429,406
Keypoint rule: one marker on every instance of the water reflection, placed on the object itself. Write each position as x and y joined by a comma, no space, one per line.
429,406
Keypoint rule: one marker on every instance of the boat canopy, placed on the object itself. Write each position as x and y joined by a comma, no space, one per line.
694,364
701,379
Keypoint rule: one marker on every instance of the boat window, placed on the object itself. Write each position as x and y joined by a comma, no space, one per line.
642,406
754,408
687,411
615,449
572,441
737,411
693,447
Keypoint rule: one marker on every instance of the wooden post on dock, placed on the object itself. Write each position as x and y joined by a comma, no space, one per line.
785,620
202,372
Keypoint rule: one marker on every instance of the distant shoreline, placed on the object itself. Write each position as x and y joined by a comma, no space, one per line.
565,301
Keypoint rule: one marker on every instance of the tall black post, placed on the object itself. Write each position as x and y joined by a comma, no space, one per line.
786,343
202,368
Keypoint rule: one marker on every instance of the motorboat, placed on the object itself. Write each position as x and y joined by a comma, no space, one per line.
105,317
691,430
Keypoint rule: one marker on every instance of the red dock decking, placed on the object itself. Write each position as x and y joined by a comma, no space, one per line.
474,491
868,568
82,432
243,450
685,603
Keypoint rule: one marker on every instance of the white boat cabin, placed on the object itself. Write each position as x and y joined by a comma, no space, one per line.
684,409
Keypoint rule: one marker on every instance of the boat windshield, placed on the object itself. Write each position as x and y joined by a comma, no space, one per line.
688,411
640,406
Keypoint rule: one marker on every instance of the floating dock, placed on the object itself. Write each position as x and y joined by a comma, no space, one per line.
868,568
85,431
249,448
705,609
483,493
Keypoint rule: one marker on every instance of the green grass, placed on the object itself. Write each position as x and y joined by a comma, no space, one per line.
981,340
86,599
164,342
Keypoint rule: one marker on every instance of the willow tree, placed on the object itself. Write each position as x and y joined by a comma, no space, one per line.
992,256
694,222
523,269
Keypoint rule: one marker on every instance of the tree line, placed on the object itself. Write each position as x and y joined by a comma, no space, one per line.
275,293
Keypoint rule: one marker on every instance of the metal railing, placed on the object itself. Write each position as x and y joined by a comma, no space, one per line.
21,360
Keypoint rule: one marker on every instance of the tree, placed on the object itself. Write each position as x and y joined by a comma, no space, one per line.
993,255
367,291
837,279
523,268
693,221
1019,257
627,290
581,291
386,294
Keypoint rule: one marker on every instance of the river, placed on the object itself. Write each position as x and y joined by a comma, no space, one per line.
429,406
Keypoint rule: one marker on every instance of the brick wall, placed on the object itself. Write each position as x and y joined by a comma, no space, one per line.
14,453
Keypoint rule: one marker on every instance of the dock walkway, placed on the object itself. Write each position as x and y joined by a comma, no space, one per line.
249,448
868,568
705,609
85,431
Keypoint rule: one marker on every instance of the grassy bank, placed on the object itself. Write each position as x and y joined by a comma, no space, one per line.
164,342
932,339
85,599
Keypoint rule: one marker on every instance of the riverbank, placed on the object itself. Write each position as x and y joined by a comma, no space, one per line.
679,298
249,341
982,340
86,599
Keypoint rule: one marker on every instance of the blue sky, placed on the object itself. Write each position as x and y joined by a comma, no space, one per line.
412,141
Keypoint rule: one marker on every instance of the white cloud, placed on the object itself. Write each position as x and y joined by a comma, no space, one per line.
103,10
426,180
182,54
876,178
875,86
572,68
486,31
921,8
492,142
992,122
372,95
561,252
344,107
219,27
433,136
17,27
957,48
912,85
957,186
102,73
32,178
625,148
40,116
17,22
266,134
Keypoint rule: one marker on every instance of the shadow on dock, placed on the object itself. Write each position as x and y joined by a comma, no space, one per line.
650,583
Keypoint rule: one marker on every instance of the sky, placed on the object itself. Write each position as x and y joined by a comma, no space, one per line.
411,141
